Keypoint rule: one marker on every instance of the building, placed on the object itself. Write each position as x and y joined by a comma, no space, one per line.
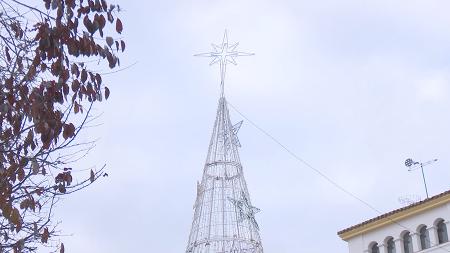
419,227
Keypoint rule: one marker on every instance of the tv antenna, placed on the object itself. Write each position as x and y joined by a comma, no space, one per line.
407,200
412,165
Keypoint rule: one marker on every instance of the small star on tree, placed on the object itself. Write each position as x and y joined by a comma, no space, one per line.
246,210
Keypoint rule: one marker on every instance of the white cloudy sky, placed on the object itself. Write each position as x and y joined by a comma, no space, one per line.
353,87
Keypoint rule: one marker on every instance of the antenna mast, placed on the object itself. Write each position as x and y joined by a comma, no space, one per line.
412,165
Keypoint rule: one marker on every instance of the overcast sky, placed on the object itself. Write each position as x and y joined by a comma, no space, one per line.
352,87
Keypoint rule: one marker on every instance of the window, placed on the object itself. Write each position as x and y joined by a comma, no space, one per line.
442,232
374,248
390,245
407,243
424,238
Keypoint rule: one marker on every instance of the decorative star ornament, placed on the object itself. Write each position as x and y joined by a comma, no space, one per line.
222,55
246,211
234,140
235,131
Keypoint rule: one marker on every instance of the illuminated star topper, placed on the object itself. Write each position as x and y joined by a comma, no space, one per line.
224,54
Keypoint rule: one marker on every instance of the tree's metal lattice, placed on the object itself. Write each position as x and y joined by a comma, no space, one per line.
224,218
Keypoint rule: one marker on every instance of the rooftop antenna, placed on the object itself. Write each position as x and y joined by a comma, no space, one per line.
407,200
412,165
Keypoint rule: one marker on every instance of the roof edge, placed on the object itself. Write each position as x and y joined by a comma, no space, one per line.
394,216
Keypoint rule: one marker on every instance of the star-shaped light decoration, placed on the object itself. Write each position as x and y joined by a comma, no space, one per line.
246,211
235,130
224,54
234,138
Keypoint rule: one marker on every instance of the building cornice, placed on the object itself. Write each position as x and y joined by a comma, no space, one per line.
395,216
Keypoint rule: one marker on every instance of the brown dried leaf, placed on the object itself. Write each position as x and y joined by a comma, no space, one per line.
45,236
75,85
66,89
109,41
104,5
76,108
8,57
110,17
54,4
62,188
69,131
98,78
106,93
88,24
83,76
101,21
43,67
15,217
119,26
30,136
47,4
122,44
20,174
35,167
74,70
92,177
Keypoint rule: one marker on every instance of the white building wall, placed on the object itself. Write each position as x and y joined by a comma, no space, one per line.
361,243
